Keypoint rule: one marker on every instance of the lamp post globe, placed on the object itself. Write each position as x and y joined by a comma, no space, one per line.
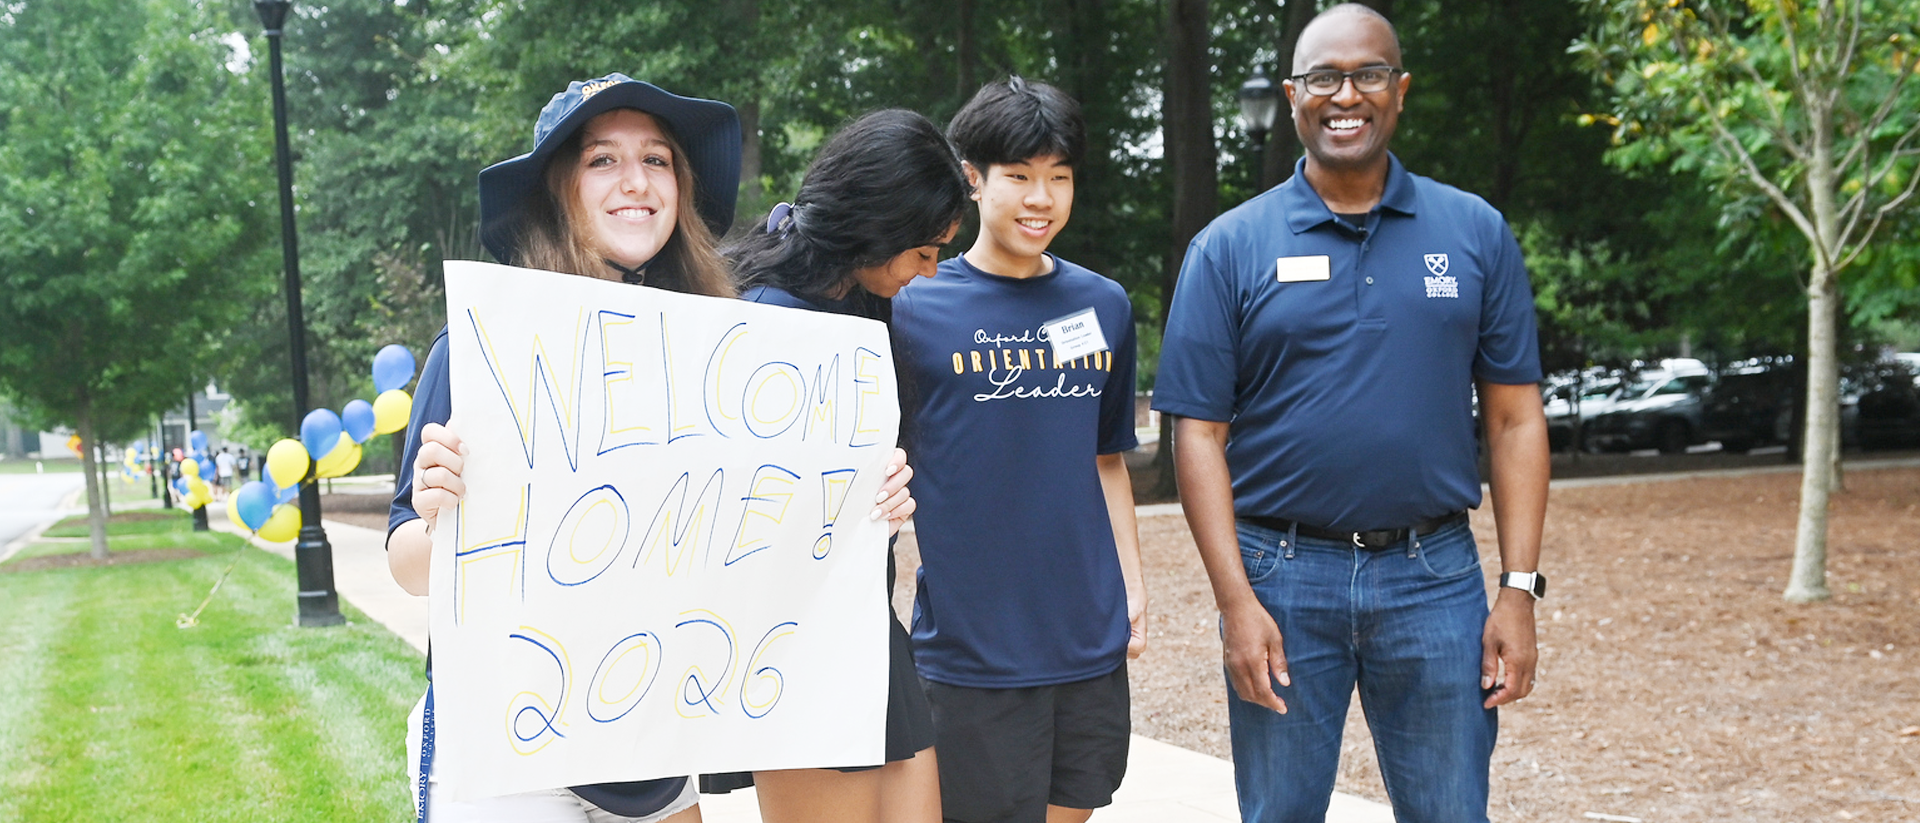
272,14
317,602
1259,104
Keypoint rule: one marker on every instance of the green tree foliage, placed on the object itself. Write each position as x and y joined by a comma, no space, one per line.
387,138
129,178
1805,111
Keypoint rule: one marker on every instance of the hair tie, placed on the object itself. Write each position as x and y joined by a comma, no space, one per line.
780,220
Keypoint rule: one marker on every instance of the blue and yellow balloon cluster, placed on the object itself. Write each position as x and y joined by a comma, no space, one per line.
196,471
265,507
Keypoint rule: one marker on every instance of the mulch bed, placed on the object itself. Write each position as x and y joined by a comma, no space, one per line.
84,560
1675,682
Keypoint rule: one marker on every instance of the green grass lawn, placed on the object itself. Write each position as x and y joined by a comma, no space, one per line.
109,711
55,465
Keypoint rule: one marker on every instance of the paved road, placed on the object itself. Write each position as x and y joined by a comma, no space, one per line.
28,500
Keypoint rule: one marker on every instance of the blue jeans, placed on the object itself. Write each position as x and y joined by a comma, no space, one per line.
1403,624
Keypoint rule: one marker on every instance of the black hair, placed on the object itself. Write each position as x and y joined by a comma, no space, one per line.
886,183
1016,120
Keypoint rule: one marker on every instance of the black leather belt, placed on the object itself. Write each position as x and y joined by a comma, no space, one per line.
1373,540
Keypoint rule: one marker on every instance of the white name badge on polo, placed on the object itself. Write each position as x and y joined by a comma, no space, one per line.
1303,269
1075,336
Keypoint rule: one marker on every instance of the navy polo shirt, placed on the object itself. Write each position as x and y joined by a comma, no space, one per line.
1344,356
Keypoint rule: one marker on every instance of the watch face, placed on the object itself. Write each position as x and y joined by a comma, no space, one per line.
1538,587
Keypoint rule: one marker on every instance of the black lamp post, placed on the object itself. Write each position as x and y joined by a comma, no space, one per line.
319,605
1259,104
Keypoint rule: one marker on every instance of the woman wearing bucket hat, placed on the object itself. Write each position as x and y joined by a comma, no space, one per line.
625,182
873,210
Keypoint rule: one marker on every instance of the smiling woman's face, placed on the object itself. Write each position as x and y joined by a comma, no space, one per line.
627,194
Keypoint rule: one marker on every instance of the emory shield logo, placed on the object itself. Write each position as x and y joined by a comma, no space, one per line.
1437,263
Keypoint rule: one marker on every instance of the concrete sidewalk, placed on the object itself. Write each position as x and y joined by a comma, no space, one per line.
1164,784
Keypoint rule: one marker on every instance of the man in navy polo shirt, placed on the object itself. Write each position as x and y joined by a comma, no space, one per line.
1322,353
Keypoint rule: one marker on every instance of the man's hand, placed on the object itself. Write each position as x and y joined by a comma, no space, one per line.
1509,653
1136,627
1251,645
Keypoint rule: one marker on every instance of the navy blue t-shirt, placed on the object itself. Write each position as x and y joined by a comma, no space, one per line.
1019,582
775,296
433,403
1344,356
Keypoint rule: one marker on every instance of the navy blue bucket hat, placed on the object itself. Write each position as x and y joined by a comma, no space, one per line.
707,130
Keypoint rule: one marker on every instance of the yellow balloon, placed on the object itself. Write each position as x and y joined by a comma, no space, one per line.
197,488
198,500
190,467
283,526
391,410
344,457
233,513
287,462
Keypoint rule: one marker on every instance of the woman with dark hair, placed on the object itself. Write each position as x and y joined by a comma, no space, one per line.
625,182
872,212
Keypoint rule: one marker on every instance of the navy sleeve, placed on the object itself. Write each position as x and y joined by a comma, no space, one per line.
1199,360
432,403
1116,399
1509,350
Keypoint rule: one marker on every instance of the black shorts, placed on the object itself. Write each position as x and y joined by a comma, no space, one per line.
1007,754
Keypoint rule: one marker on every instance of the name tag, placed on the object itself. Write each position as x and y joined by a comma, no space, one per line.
1075,336
1302,269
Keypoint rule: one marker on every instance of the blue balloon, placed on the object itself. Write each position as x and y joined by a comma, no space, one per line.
392,368
357,419
180,485
320,432
198,440
255,502
206,469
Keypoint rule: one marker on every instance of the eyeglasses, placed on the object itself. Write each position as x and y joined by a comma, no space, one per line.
1366,80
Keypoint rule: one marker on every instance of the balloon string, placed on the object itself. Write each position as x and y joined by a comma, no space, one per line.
188,621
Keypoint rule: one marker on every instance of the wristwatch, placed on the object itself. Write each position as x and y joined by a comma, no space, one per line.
1533,583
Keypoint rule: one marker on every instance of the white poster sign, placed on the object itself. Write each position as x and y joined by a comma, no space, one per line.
664,563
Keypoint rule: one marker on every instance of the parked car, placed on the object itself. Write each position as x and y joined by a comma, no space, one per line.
1661,409
1888,406
1578,402
1749,407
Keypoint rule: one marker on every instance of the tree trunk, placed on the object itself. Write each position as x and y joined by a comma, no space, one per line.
106,488
752,195
966,53
96,513
1187,125
1808,582
1283,145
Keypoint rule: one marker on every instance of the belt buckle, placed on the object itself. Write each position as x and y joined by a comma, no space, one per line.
1357,542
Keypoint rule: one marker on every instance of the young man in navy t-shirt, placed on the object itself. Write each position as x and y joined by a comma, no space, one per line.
1018,373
